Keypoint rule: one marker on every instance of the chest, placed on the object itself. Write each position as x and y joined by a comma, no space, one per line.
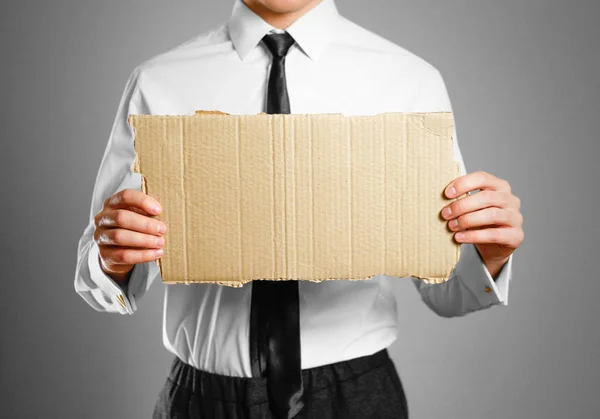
338,82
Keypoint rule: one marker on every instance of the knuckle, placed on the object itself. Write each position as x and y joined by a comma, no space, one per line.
519,218
114,257
120,256
96,235
115,199
131,196
109,256
103,238
117,236
126,195
520,235
107,219
129,256
496,215
120,217
489,196
457,206
494,236
482,176
147,224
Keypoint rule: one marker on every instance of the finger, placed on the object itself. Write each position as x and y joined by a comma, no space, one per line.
470,203
491,216
505,236
113,255
127,198
476,180
127,238
130,220
515,202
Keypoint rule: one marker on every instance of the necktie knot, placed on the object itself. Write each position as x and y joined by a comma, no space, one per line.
278,43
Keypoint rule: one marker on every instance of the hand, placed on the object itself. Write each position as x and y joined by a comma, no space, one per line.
125,234
491,219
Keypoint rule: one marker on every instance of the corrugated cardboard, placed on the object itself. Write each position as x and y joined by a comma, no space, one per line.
301,197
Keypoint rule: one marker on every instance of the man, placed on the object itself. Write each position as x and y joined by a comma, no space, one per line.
282,56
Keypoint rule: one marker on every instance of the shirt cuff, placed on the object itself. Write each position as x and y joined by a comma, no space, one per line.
503,279
109,286
473,273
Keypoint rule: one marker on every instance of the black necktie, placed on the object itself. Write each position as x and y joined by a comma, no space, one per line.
275,314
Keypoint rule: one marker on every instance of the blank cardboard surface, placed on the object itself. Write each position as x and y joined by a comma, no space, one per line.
299,197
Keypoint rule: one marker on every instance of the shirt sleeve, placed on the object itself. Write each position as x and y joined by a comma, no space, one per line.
470,286
98,289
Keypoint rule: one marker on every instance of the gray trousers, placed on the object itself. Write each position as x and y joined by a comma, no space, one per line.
361,388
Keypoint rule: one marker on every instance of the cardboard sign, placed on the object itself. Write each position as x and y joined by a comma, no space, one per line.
299,197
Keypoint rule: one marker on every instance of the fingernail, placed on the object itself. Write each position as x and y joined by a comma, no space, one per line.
451,191
459,236
160,228
156,208
447,211
159,241
158,252
453,223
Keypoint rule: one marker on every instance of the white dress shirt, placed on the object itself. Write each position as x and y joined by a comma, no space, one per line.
335,66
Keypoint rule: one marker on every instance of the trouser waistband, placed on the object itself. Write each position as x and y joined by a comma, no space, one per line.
253,390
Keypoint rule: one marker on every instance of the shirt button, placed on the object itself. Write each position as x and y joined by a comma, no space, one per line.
488,289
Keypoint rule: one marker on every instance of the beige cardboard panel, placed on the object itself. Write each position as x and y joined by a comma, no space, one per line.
303,227
309,197
259,214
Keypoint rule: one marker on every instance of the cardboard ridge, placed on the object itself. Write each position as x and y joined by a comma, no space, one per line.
299,196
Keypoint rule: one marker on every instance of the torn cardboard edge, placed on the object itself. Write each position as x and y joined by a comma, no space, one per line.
136,120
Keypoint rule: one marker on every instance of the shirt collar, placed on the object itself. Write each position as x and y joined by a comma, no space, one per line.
312,31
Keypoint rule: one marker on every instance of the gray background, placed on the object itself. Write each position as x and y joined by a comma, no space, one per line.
523,79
